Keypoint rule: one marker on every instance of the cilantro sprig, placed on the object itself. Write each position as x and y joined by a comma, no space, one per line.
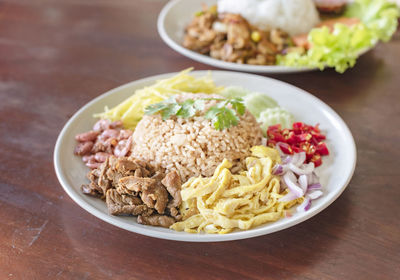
221,115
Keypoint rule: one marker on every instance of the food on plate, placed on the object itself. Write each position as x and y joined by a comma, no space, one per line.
132,186
330,6
293,17
300,179
264,108
192,157
131,110
231,38
106,138
302,138
318,34
226,201
193,146
273,116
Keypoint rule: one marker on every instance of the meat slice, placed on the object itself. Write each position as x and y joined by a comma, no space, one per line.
156,196
133,187
174,212
118,204
172,181
103,182
91,189
135,184
156,220
124,165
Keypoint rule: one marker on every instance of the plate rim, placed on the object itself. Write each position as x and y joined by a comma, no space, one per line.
268,69
197,237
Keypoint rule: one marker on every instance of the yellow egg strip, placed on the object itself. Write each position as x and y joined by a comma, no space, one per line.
226,201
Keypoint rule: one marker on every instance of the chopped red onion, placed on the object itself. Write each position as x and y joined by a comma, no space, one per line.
305,205
316,186
312,178
298,159
303,169
299,178
303,182
277,169
295,159
290,181
315,194
279,149
288,197
287,160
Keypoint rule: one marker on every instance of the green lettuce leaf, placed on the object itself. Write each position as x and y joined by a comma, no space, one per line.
340,49
379,16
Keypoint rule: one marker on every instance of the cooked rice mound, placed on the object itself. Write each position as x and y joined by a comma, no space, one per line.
192,146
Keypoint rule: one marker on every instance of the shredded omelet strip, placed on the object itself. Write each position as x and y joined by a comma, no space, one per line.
226,201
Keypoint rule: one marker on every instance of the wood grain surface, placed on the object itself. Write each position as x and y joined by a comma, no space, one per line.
57,55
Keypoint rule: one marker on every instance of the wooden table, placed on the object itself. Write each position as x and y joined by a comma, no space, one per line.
55,56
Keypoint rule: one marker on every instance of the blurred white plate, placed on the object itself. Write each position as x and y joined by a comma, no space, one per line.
335,173
177,14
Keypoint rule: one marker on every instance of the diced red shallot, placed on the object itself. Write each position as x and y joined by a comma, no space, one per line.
303,182
304,169
305,205
290,181
277,169
316,186
288,197
315,194
299,178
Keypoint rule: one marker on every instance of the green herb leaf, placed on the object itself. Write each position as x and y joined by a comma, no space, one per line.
166,108
220,115
222,118
155,108
187,109
199,104
170,111
238,105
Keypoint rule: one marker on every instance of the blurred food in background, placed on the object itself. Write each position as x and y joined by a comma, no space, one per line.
318,34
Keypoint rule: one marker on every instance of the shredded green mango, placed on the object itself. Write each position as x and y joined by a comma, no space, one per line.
131,110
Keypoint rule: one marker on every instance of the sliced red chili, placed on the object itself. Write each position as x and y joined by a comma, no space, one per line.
271,143
302,138
322,149
298,126
276,136
285,148
316,159
292,138
297,150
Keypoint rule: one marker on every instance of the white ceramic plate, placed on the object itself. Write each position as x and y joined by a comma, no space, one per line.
335,173
177,14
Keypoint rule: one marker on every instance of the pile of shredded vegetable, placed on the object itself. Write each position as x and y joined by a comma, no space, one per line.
131,111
